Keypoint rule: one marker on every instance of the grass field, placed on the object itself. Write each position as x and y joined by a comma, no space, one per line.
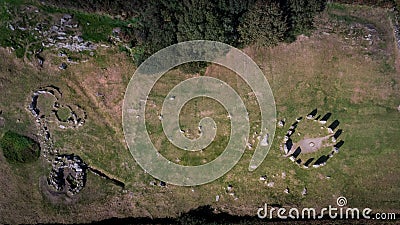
337,69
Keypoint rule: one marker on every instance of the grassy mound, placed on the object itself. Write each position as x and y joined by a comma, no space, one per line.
19,148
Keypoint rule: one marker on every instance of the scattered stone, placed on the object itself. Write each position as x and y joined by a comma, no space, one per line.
264,141
263,177
63,66
67,17
61,38
163,184
286,191
116,30
40,60
77,38
283,175
54,28
304,192
281,123
249,146
286,138
270,184
217,198
229,188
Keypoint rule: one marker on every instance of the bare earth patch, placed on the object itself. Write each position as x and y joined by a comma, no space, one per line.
309,145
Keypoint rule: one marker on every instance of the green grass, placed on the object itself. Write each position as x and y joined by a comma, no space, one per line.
18,148
64,114
94,27
348,19
336,6
97,28
318,72
387,68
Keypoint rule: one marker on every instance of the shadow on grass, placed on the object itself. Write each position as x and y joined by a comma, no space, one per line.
206,215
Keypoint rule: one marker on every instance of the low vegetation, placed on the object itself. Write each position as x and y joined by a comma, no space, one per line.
18,148
344,66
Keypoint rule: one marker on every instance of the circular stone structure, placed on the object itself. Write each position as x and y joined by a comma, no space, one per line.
315,148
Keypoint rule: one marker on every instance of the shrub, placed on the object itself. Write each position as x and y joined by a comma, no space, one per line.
18,148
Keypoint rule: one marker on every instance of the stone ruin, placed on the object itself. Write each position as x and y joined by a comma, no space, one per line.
68,172
310,145
64,33
45,139
77,116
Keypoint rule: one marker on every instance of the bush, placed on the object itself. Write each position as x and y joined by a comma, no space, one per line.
18,148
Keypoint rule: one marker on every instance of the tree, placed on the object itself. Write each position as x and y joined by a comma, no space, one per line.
300,14
263,24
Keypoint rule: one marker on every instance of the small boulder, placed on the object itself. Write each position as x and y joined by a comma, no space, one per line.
304,192
63,66
286,191
271,184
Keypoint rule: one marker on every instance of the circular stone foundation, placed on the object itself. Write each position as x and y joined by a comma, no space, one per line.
312,141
